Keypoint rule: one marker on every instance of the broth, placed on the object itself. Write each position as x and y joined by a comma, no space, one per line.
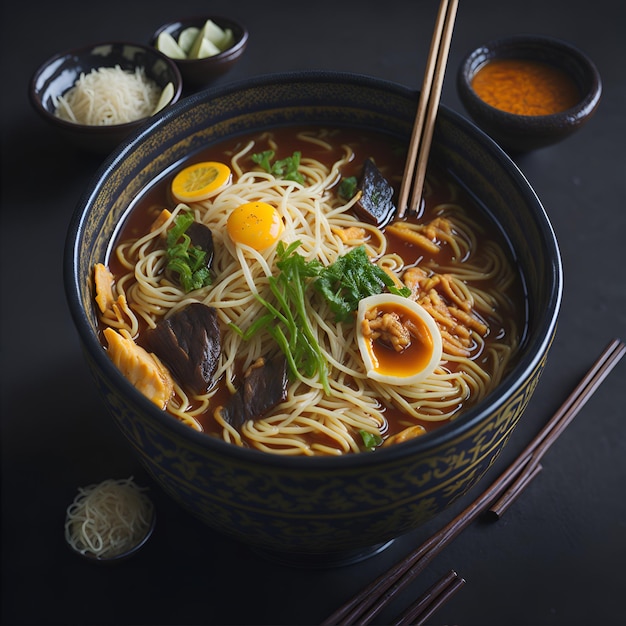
497,290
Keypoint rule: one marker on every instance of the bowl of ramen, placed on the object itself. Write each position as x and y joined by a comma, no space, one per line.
529,91
97,95
295,365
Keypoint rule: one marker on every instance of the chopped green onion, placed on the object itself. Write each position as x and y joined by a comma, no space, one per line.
370,440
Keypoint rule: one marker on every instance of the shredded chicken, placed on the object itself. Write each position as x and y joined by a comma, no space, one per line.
103,280
141,368
162,217
386,328
404,435
350,234
412,233
439,228
452,313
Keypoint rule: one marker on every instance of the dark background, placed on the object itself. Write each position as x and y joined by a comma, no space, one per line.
558,556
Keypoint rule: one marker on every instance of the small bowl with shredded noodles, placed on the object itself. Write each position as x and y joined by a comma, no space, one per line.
98,95
109,521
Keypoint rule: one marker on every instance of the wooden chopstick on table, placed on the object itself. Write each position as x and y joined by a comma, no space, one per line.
366,604
421,137
528,461
433,598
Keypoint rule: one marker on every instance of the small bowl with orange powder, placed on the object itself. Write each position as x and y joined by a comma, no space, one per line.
527,91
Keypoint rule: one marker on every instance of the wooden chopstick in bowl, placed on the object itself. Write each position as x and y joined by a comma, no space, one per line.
421,137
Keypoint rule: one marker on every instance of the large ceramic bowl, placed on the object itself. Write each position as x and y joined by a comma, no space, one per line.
321,508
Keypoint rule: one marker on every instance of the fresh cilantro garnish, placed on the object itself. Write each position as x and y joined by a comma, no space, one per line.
286,168
370,440
351,278
187,261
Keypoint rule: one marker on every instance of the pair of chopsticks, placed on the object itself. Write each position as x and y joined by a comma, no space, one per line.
368,603
421,137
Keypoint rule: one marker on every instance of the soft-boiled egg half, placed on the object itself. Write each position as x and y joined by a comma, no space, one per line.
399,341
255,224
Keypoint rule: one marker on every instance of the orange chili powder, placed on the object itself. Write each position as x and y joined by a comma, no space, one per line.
525,87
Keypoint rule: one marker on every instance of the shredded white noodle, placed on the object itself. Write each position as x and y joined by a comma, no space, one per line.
108,96
107,519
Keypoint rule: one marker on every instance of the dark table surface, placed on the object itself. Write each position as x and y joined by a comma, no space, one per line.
558,554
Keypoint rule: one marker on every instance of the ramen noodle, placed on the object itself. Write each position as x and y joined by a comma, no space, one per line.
448,257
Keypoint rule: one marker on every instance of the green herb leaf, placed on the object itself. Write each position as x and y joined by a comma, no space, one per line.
286,168
348,187
351,278
184,259
264,160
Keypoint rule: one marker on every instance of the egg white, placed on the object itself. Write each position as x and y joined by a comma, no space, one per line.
365,343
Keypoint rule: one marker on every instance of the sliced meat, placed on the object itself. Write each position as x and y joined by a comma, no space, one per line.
264,386
141,368
189,343
376,202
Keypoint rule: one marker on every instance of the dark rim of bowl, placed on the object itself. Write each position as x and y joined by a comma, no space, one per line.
177,25
524,46
33,92
536,347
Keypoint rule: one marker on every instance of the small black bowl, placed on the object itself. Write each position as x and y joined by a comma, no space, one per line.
521,133
59,73
199,72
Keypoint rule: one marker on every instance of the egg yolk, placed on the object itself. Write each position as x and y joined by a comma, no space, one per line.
255,224
399,341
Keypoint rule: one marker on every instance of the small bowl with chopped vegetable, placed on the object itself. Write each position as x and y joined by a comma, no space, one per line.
203,47
98,95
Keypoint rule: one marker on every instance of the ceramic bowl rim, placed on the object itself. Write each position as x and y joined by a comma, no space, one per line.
34,93
527,363
507,45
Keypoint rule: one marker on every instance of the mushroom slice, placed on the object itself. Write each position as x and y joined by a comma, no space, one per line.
202,237
264,386
188,342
